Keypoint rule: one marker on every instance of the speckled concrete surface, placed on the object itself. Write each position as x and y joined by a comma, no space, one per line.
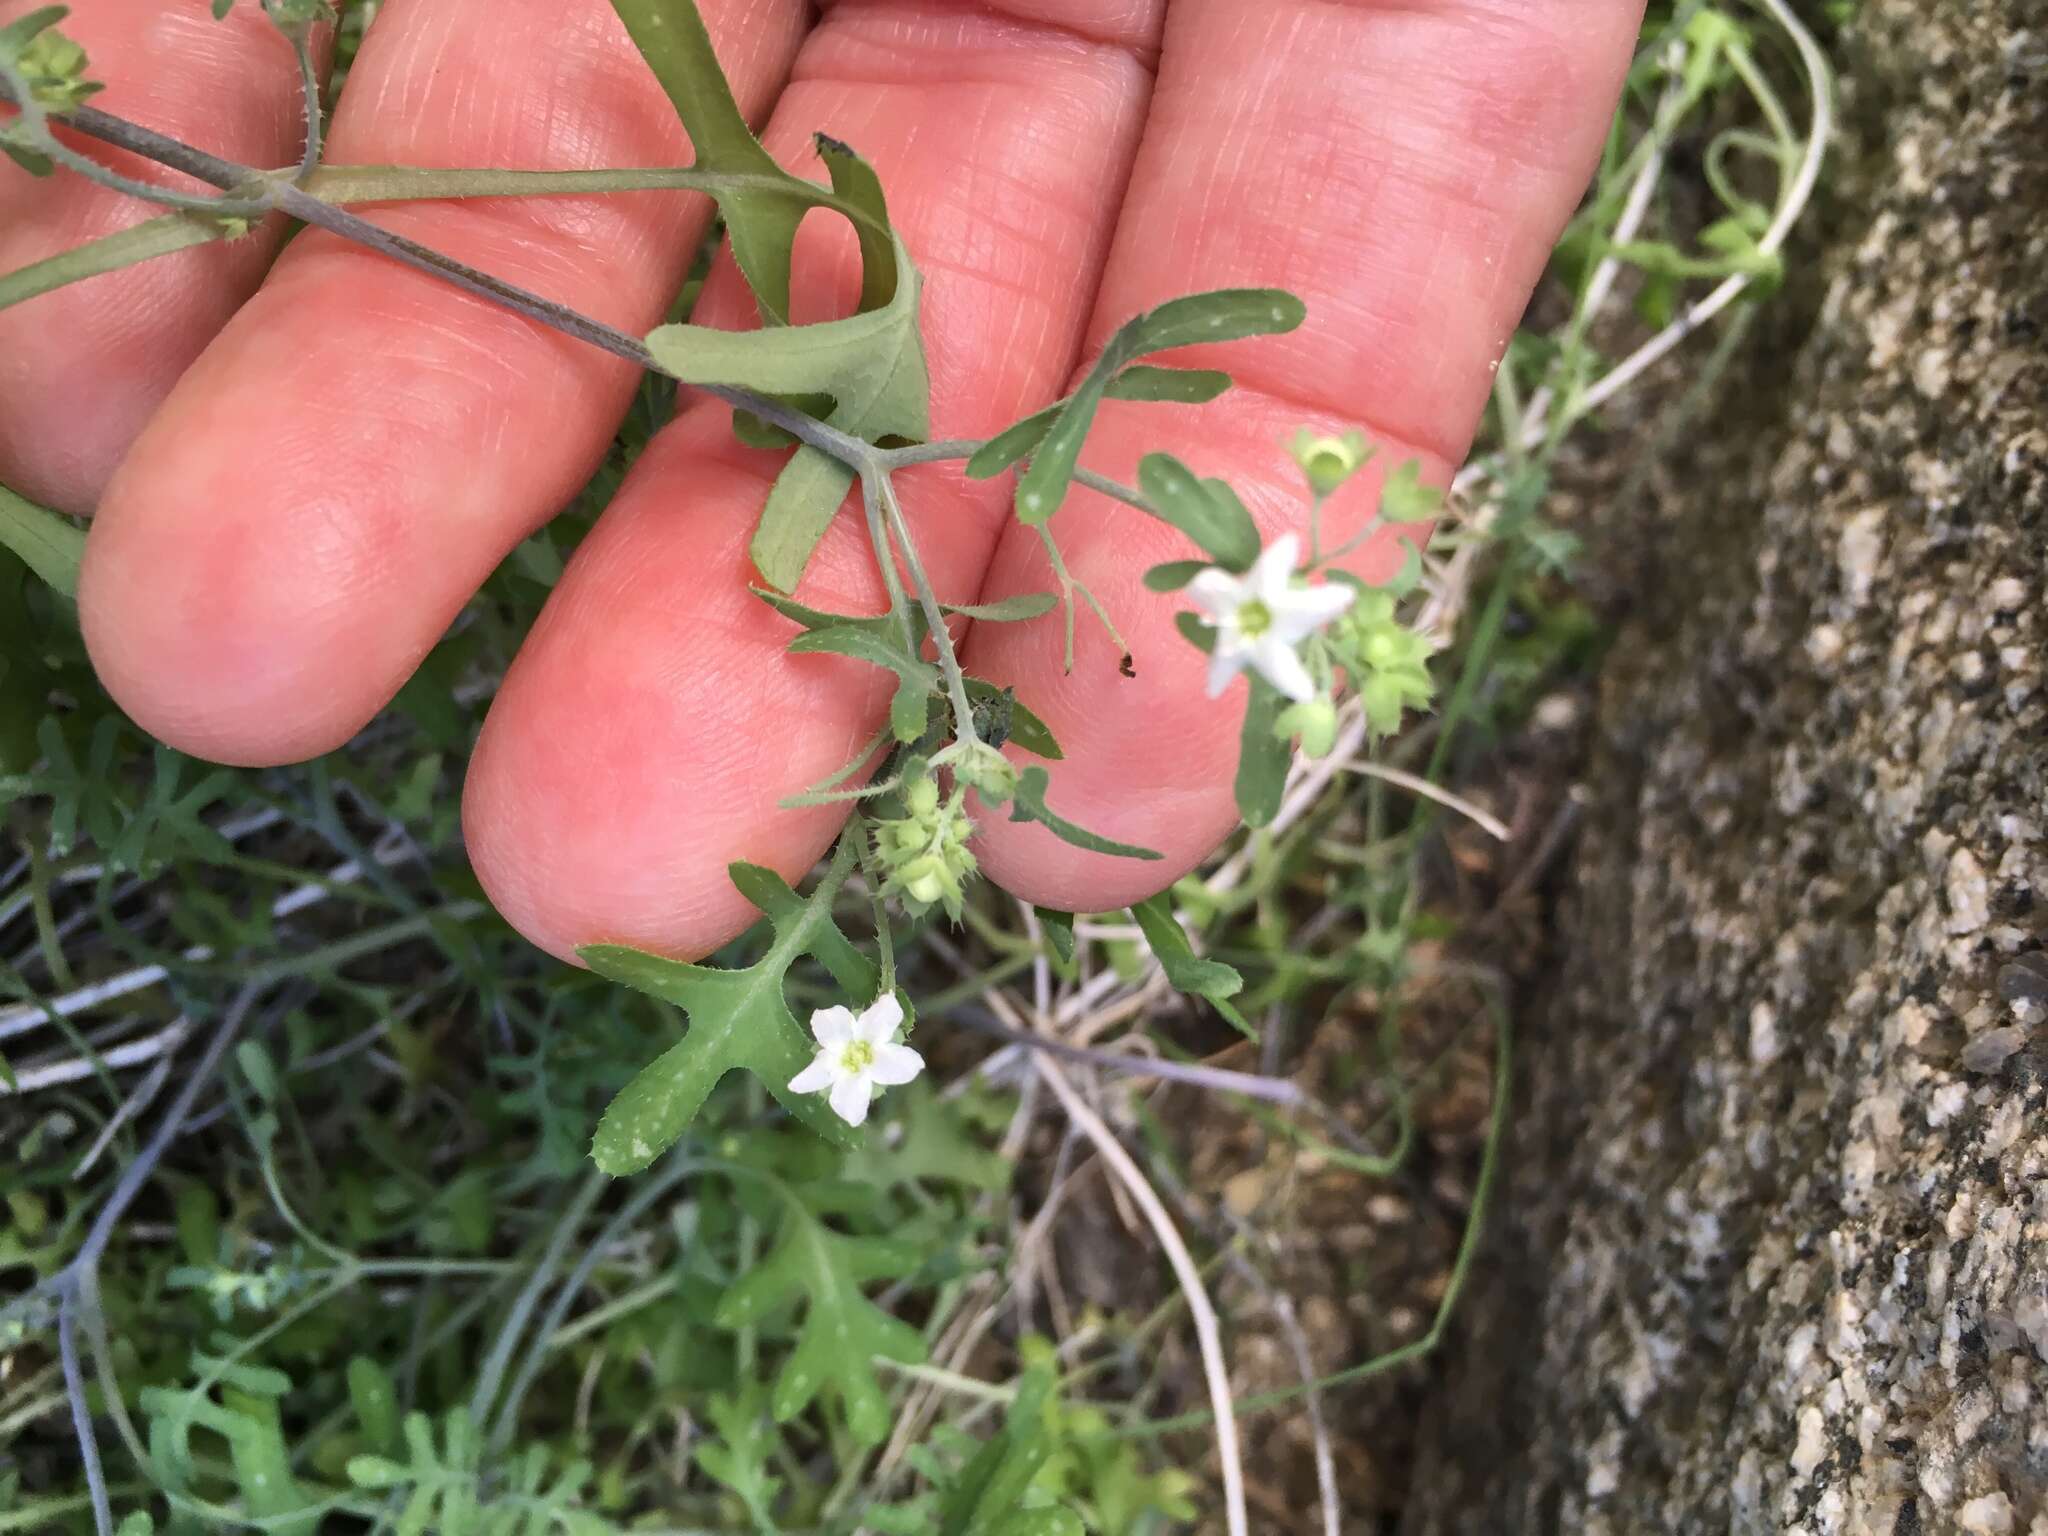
1773,1253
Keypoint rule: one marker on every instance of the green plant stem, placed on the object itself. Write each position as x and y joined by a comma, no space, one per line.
935,617
304,205
301,39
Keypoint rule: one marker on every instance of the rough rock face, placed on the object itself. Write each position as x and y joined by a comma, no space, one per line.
1772,1254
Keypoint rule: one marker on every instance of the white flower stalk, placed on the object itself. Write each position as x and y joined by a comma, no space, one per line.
1262,617
857,1057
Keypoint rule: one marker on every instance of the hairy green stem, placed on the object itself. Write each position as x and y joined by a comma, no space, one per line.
305,205
935,617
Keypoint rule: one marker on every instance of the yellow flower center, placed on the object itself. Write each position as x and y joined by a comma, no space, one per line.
1254,618
856,1056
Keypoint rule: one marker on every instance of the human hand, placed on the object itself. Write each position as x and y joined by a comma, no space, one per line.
299,484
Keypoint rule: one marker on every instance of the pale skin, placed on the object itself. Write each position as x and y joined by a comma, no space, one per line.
299,472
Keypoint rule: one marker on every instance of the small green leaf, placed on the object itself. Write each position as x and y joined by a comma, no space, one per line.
1405,499
936,1146
801,504
915,678
1173,386
1263,758
738,1019
109,253
377,1472
48,544
1409,577
842,1331
1029,805
1226,315
1025,605
816,618
375,1400
1200,634
1189,972
1172,575
1058,928
739,1457
985,1498
256,1067
1218,524
1186,386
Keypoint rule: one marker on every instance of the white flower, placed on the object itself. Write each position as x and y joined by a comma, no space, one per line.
1261,616
857,1056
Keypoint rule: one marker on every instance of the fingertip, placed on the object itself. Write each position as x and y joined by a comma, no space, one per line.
220,601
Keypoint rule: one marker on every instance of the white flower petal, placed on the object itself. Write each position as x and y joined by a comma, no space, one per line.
895,1065
833,1026
851,1096
1304,610
818,1076
1281,667
1216,592
1224,665
1274,569
879,1019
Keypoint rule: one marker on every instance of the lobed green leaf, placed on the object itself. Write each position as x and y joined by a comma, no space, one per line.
738,1020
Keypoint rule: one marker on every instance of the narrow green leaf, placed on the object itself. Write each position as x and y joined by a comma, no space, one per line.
1219,525
1043,485
1187,386
375,1400
109,253
1172,386
984,1498
801,504
1029,805
256,1066
915,679
761,226
1198,633
1172,575
1058,928
855,181
815,618
1189,972
48,544
1225,314
1025,605
1263,758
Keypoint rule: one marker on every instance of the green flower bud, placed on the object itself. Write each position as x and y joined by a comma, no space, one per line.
924,880
922,798
1314,721
1328,462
